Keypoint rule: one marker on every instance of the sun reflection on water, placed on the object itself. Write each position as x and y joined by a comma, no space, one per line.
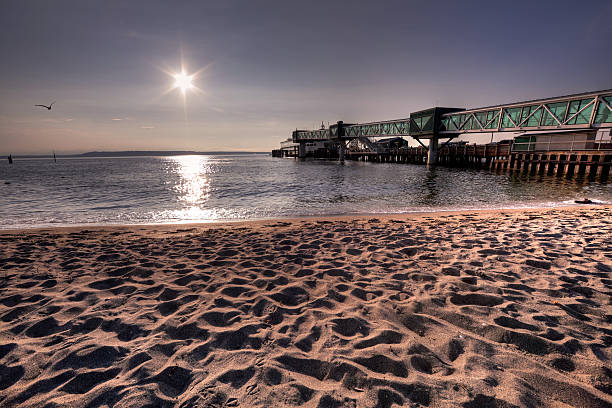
193,187
192,178
210,188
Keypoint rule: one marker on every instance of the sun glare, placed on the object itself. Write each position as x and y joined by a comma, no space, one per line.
183,81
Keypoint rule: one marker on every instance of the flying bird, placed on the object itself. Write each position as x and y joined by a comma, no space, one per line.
45,106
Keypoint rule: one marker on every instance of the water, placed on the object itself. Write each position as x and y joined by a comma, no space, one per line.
143,190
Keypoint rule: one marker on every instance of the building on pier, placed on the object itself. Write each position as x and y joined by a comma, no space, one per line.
288,148
571,130
563,140
392,143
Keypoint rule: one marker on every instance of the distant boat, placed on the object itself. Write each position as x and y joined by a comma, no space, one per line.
10,159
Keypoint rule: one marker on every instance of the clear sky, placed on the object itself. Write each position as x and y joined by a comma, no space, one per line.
269,67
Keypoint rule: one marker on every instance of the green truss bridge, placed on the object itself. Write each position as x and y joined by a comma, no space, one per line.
590,110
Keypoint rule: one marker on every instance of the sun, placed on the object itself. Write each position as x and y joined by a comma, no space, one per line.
183,81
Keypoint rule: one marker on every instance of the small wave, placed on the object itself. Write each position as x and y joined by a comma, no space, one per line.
156,190
110,207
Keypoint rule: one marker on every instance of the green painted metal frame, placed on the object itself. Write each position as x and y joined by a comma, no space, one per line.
579,111
378,129
311,135
588,110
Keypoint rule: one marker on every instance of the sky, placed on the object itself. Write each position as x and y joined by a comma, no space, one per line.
266,68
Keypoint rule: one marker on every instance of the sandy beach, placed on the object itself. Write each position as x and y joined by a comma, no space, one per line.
477,309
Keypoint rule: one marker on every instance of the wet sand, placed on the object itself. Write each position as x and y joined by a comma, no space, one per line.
476,309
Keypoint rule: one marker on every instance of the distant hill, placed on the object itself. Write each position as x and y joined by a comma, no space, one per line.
154,153
132,153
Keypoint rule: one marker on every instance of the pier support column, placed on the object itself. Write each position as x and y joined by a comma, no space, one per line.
432,157
302,150
341,151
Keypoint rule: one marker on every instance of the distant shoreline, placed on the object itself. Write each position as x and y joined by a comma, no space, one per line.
130,153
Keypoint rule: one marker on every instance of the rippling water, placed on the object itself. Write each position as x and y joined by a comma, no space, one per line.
142,190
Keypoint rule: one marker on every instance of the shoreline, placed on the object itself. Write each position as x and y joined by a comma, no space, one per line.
340,217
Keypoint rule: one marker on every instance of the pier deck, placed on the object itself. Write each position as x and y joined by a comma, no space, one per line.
498,156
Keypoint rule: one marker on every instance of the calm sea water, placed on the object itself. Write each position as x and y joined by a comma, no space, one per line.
142,190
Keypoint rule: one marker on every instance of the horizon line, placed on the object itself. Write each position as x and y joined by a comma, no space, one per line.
100,153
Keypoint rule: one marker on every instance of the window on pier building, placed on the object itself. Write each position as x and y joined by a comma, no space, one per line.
531,116
421,123
403,127
510,115
582,117
447,124
492,119
444,124
482,118
469,123
558,109
461,121
604,112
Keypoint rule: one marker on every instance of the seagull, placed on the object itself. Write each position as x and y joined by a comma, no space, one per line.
45,106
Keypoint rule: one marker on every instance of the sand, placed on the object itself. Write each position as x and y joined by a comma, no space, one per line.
480,309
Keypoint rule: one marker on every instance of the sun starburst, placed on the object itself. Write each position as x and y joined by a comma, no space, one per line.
183,81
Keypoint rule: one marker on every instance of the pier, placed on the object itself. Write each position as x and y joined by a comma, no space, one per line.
563,135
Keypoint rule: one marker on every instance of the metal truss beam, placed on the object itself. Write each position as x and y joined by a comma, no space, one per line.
579,111
569,112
